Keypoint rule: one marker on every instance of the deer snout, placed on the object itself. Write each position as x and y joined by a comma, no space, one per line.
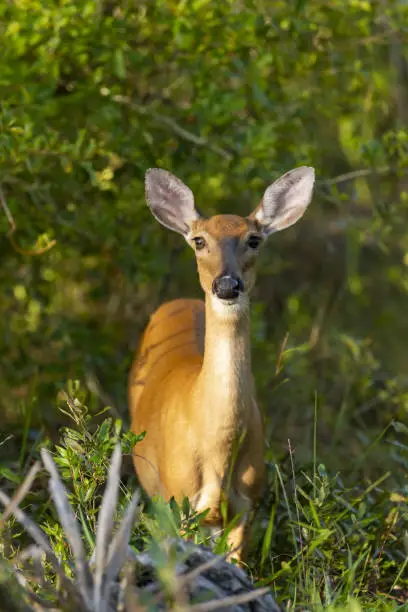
227,287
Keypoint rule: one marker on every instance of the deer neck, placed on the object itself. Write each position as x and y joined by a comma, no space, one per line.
225,380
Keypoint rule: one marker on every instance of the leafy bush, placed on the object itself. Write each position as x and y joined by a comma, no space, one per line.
228,96
315,541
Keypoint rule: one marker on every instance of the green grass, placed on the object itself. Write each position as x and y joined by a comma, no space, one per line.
320,542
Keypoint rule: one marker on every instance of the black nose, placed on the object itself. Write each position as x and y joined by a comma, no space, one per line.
227,287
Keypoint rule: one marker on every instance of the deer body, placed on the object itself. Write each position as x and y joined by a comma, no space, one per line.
191,386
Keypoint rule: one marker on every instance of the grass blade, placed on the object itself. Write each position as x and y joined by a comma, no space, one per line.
118,549
70,526
105,526
42,541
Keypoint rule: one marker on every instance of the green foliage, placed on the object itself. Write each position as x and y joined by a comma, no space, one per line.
343,542
315,541
228,95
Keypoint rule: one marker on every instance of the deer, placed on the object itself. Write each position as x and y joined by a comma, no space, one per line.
191,388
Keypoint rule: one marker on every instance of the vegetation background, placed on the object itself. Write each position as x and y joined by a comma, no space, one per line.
227,95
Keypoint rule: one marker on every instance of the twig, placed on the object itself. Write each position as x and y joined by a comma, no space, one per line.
42,541
350,176
193,574
13,601
218,604
94,385
6,439
70,527
13,228
22,490
105,527
119,549
200,141
24,584
281,352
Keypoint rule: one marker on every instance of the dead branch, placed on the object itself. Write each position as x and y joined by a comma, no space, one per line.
13,228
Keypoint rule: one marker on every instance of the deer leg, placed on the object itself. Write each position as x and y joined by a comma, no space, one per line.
237,541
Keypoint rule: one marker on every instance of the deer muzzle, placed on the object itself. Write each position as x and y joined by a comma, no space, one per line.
227,287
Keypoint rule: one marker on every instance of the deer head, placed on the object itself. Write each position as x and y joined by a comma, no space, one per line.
227,246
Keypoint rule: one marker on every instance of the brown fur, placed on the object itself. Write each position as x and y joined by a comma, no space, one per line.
191,386
192,421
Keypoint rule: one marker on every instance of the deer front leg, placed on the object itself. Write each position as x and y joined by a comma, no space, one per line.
237,541
240,505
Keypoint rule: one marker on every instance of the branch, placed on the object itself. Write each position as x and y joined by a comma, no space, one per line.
21,491
350,176
200,141
13,228
226,602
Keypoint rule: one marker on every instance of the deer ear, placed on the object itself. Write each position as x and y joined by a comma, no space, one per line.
170,200
285,201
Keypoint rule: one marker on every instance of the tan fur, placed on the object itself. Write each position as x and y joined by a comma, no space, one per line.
191,385
191,390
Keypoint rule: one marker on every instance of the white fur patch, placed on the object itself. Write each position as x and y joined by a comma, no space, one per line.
207,497
226,310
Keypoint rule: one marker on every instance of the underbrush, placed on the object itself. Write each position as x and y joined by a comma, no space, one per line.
317,542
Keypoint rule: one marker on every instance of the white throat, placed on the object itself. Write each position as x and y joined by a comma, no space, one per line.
226,370
229,310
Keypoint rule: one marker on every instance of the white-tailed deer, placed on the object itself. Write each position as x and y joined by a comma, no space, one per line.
191,386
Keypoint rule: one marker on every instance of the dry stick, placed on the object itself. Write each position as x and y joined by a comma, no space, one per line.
10,437
280,356
35,554
21,491
118,551
190,576
42,541
13,228
185,579
70,526
32,595
11,604
34,530
104,531
218,604
350,176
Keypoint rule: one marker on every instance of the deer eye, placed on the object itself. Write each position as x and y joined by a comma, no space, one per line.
254,241
199,242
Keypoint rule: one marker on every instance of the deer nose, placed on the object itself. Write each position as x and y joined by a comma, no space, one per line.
227,287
